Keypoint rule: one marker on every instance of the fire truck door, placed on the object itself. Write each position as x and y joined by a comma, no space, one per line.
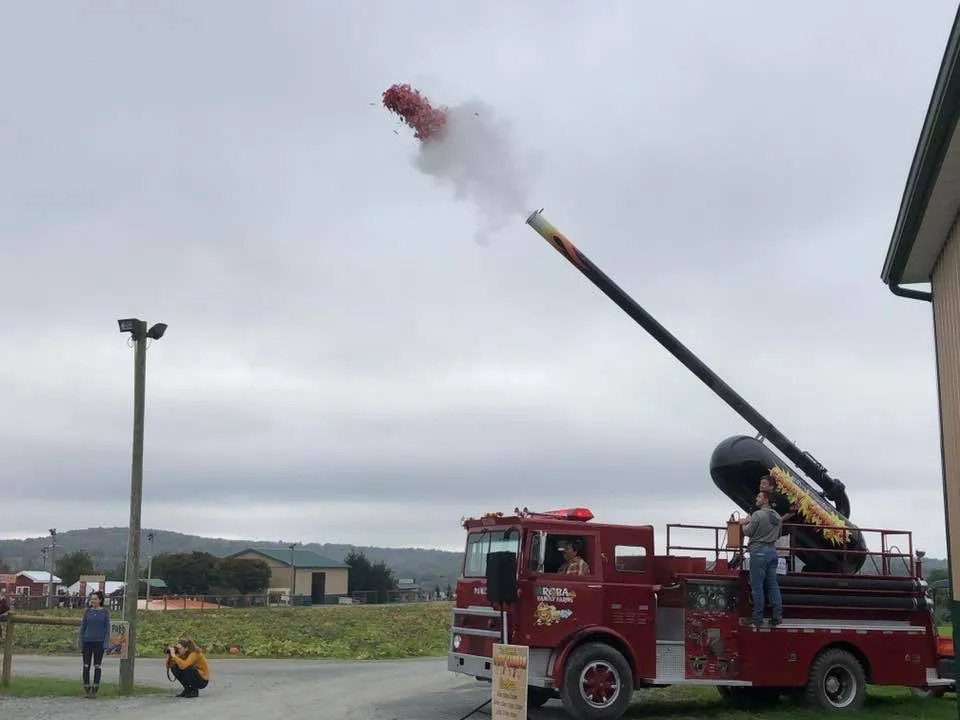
562,605
560,602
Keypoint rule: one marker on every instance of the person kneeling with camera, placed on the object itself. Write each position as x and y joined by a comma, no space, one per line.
188,666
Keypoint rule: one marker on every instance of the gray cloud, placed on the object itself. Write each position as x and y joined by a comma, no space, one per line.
336,337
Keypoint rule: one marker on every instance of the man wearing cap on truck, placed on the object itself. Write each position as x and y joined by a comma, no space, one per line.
763,528
778,500
787,512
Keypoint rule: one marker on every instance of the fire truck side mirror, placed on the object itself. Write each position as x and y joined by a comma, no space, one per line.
501,577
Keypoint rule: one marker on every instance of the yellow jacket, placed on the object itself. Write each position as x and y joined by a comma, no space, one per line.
194,658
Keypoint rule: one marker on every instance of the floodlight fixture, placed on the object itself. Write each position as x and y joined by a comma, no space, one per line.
135,326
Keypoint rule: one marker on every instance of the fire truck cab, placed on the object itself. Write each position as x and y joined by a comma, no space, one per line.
638,619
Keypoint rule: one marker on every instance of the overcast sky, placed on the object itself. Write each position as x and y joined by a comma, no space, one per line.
344,363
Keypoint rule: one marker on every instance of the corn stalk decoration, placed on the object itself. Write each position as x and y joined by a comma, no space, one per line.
830,525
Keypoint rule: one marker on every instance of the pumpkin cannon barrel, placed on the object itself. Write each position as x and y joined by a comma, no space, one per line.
824,540
727,468
833,489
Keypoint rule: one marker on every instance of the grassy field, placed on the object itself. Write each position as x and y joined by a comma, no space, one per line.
342,632
56,687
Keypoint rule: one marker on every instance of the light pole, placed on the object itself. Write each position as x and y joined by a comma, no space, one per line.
131,577
293,571
53,565
149,567
43,554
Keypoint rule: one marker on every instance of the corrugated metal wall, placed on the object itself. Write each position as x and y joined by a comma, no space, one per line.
946,319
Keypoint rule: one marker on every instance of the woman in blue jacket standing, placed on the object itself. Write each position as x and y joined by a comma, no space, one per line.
94,637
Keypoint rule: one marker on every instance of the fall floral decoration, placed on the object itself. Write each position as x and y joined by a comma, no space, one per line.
831,526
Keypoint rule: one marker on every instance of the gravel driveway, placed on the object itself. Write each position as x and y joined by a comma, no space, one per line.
267,689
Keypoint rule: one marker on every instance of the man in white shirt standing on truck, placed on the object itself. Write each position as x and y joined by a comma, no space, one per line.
763,528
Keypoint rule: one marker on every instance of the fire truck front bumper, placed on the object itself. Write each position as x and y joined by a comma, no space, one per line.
478,667
472,665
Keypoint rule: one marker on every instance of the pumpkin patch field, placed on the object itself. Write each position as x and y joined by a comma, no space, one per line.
341,632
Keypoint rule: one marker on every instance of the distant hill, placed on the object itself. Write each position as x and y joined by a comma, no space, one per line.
107,547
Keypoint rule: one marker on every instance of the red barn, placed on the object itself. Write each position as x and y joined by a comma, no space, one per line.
34,583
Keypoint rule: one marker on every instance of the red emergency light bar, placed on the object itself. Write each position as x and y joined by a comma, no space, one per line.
580,513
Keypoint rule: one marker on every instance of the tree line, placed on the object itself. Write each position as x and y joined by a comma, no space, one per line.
192,573
365,576
201,573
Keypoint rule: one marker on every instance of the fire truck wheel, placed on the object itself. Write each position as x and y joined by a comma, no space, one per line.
836,682
597,683
934,692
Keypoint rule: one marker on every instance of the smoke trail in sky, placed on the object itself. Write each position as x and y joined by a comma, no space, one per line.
467,147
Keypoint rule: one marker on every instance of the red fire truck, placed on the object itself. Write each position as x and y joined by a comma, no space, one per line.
642,619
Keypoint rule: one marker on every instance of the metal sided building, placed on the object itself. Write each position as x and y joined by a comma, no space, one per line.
925,249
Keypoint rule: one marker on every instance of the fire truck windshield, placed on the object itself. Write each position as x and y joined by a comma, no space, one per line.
482,542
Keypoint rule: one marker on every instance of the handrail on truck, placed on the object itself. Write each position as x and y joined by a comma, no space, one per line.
905,560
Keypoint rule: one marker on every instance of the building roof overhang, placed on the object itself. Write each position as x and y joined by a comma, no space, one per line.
931,197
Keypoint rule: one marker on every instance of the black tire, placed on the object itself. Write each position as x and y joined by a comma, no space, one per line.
836,682
537,696
934,692
611,692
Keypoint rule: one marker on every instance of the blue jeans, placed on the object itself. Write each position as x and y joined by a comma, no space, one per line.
763,580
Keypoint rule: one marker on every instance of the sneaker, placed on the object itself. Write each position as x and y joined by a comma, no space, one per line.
192,693
775,621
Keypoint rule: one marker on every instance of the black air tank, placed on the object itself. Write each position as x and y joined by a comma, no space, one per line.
736,466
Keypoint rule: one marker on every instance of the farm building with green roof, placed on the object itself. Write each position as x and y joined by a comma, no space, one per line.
304,575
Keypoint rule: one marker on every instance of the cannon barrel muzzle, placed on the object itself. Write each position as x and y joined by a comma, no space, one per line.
832,489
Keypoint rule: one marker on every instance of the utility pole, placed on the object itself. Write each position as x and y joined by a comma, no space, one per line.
293,572
149,567
131,578
43,554
53,564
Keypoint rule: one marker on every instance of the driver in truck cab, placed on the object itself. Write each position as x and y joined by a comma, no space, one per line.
573,564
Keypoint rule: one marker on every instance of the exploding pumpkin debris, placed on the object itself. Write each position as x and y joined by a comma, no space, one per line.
415,110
